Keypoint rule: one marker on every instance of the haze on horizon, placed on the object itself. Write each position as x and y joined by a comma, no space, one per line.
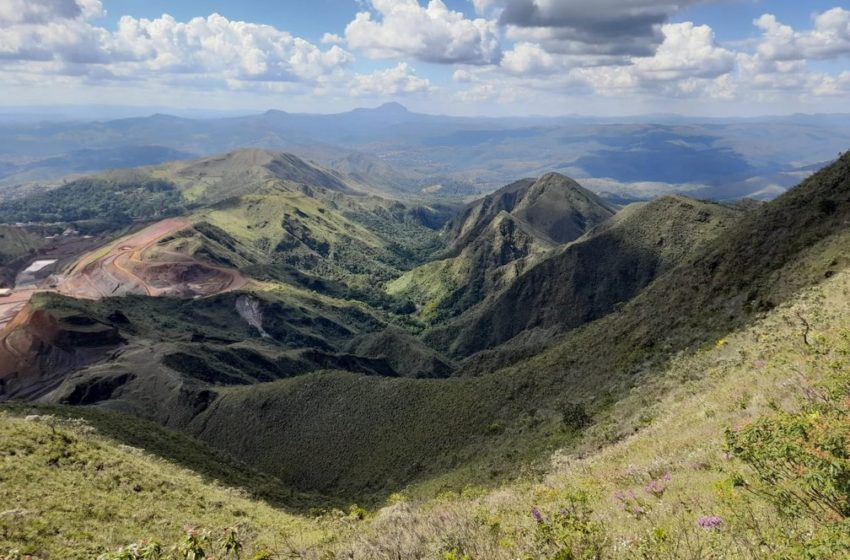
460,57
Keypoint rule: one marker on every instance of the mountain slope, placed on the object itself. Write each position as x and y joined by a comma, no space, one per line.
216,178
71,492
119,198
496,239
591,276
654,477
358,434
553,206
250,225
515,413
624,495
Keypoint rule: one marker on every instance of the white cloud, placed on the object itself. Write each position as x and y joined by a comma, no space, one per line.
779,63
332,39
393,81
233,49
209,48
688,51
487,7
605,51
431,33
43,11
829,38
531,58
462,75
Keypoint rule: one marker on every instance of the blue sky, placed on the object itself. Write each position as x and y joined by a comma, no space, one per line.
723,57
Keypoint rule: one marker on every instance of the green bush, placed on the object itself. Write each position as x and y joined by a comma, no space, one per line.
801,462
570,533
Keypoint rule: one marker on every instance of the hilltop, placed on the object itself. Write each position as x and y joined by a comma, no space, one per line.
495,239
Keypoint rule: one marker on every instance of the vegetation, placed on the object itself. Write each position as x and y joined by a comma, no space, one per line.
98,204
670,490
692,405
16,242
69,492
495,239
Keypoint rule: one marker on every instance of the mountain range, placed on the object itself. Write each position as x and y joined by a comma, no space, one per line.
318,338
454,157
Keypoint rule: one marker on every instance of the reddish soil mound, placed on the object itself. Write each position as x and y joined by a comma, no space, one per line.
132,266
37,350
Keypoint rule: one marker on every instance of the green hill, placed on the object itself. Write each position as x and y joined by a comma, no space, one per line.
592,276
495,239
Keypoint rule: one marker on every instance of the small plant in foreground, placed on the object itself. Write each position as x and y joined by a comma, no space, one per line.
570,533
710,522
196,545
801,462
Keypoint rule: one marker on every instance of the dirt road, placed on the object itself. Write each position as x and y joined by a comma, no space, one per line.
12,304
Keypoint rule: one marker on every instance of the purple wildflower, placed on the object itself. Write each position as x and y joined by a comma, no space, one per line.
658,486
710,522
535,513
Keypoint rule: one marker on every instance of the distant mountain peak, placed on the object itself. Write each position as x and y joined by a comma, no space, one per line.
392,107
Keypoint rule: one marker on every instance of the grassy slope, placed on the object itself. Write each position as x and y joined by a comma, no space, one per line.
69,491
678,421
676,428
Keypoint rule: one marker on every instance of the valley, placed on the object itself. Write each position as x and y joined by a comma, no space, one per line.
351,347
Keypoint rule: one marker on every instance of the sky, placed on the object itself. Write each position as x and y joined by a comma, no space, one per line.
461,57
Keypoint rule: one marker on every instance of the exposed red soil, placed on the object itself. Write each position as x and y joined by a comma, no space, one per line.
34,341
128,268
38,349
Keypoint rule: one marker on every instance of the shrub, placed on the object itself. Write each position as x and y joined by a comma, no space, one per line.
569,533
801,462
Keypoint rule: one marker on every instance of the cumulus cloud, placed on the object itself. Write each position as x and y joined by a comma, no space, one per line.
393,81
687,64
207,47
829,38
531,58
552,48
43,11
601,27
431,33
332,39
779,63
688,51
233,49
